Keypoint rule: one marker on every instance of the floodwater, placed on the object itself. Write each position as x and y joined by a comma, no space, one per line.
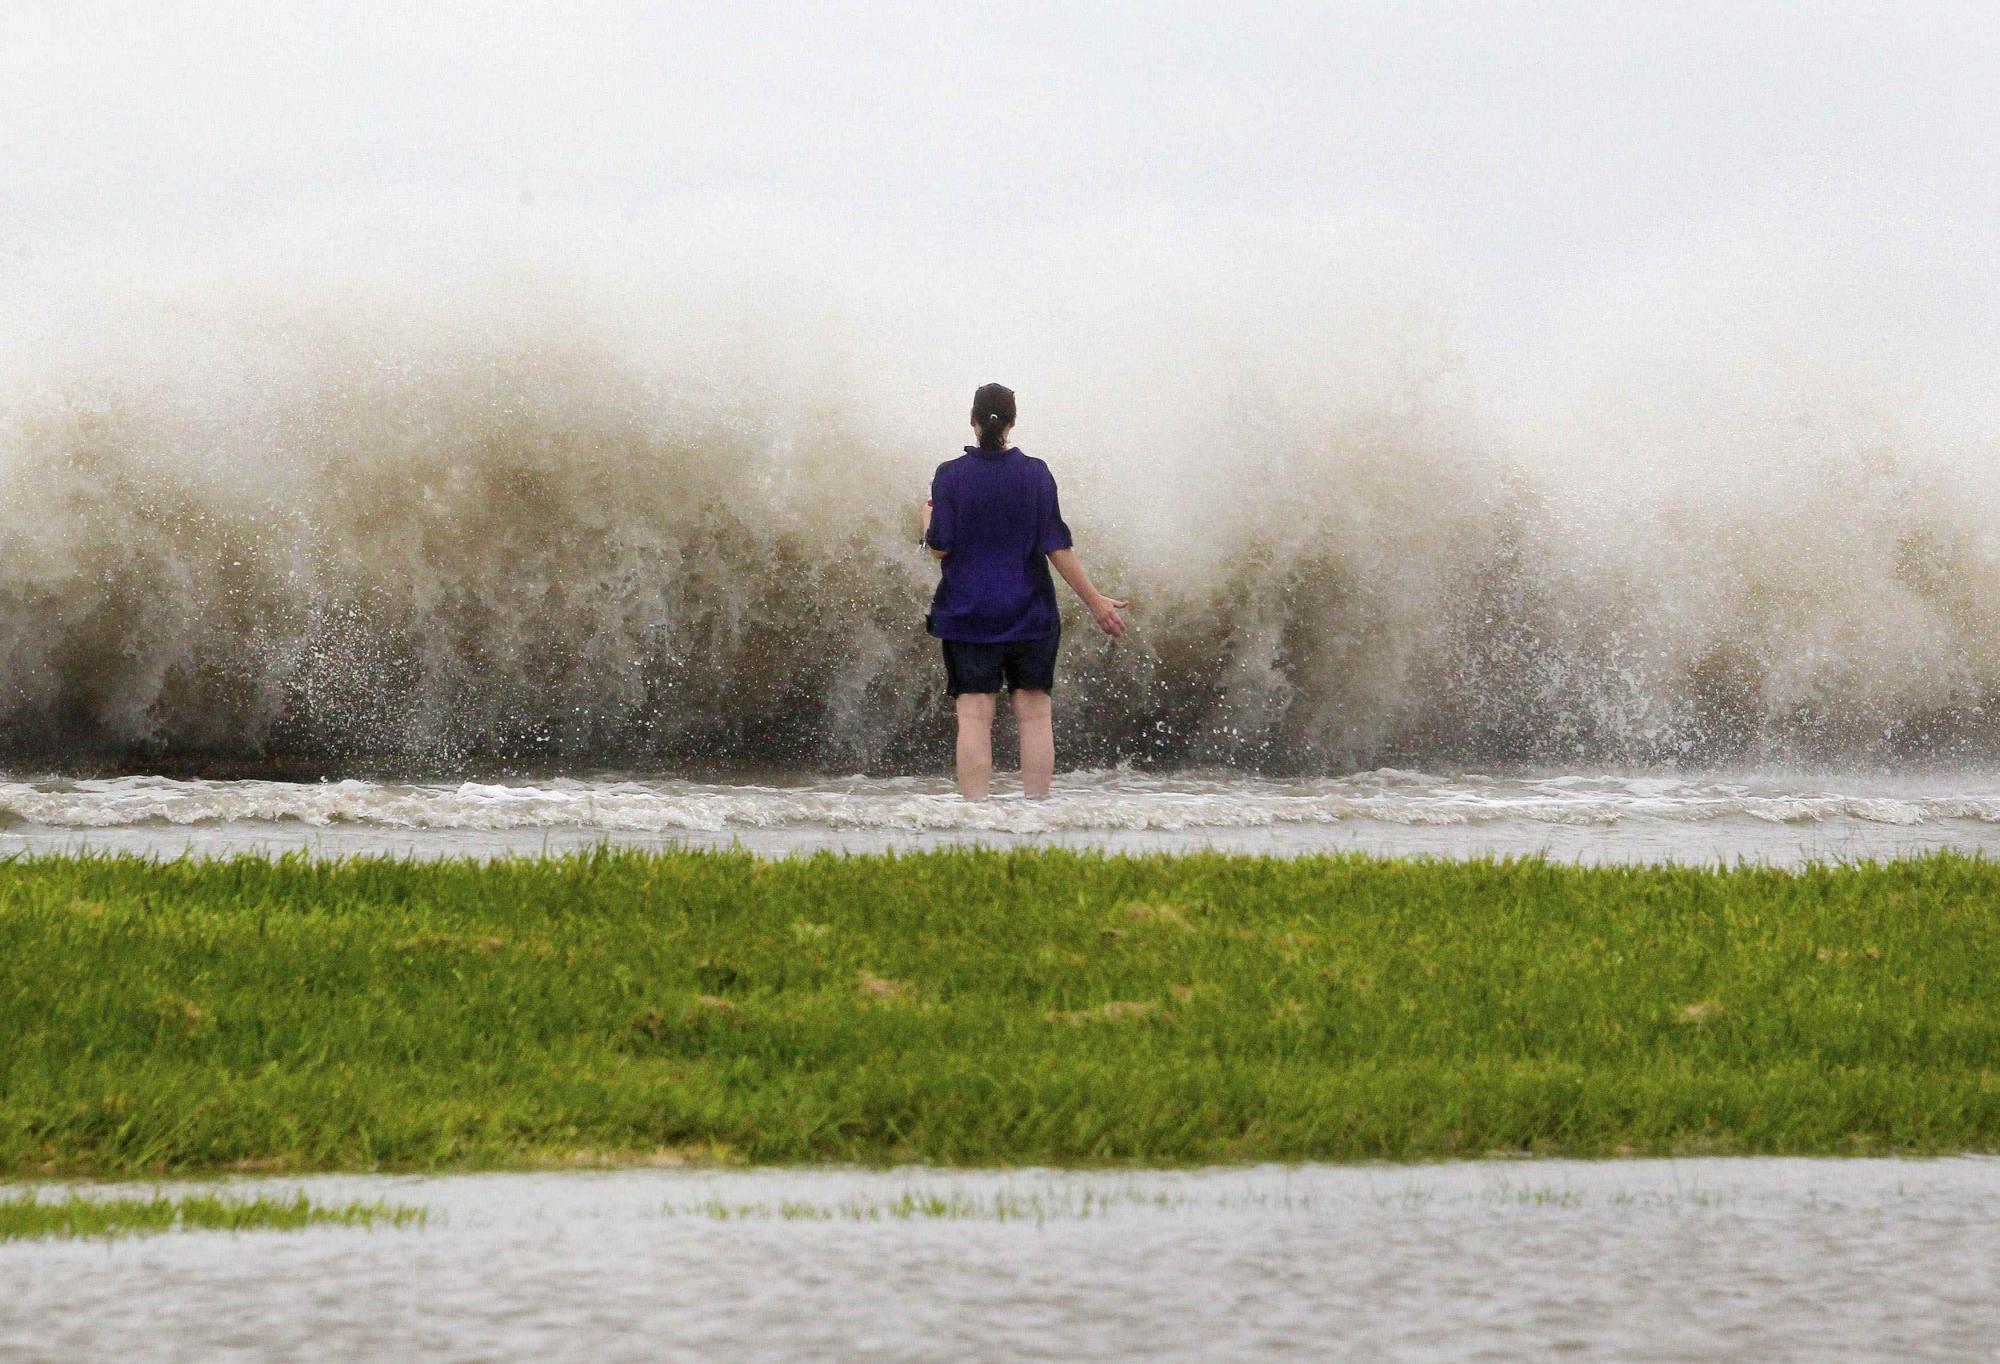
1778,817
1634,1260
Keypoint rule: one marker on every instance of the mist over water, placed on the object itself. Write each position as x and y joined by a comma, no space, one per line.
404,483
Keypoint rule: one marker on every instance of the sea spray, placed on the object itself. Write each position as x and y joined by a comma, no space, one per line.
295,532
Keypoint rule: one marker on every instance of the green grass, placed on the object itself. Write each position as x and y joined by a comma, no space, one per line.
970,1007
24,1217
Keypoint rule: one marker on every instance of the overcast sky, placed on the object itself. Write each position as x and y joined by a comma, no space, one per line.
1536,156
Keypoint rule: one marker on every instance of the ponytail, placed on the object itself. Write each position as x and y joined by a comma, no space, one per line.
992,414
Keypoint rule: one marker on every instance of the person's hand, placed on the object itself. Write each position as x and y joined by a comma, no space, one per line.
1105,611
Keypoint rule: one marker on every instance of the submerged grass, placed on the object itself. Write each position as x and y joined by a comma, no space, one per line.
927,1204
26,1217
1069,1202
978,1007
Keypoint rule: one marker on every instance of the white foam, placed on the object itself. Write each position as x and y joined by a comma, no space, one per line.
1086,802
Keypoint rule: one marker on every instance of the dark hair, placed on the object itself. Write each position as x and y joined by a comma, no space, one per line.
993,413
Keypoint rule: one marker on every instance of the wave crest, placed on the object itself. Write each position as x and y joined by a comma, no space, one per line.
358,541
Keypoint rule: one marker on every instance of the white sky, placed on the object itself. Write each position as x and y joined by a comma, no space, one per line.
1545,159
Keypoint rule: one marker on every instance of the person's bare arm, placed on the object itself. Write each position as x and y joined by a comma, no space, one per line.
1103,609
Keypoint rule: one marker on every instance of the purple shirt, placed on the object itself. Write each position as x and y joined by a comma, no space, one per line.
995,514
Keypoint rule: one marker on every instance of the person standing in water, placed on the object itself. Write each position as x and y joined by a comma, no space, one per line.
994,524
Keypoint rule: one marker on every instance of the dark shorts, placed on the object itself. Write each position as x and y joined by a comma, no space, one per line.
1023,664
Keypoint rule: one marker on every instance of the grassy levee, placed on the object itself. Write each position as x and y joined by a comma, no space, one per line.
972,1007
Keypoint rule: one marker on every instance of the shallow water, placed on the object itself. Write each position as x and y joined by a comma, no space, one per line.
1637,1260
1769,816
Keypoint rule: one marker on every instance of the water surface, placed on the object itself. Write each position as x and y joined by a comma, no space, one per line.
1780,817
1638,1260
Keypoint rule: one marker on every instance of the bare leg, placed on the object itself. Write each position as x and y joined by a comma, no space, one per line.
1034,713
975,744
